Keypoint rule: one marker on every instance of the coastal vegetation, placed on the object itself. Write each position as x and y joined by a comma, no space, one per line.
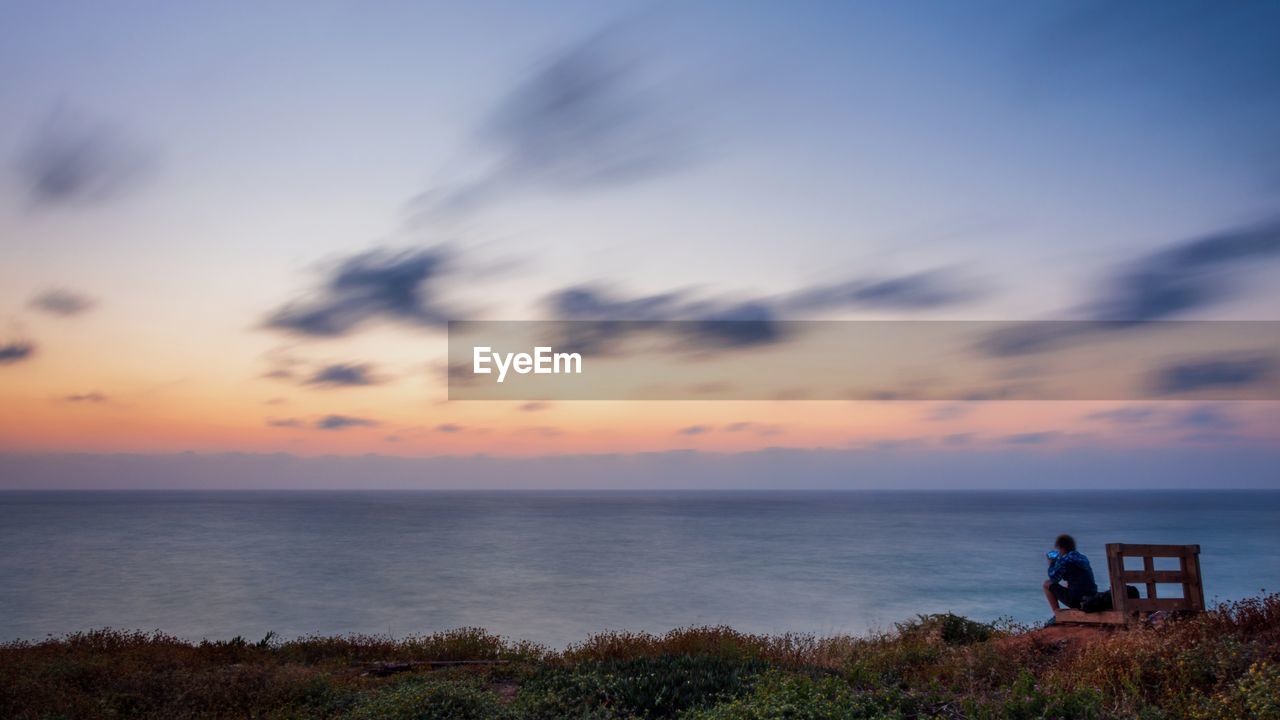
1219,665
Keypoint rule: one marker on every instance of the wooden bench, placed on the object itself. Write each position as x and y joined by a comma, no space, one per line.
1126,610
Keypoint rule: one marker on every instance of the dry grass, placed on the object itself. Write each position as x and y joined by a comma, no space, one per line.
1222,664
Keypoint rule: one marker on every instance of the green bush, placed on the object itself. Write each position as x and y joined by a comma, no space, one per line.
418,699
1255,695
1028,700
796,697
947,627
645,687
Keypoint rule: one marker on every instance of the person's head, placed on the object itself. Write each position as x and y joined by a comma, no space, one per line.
1065,543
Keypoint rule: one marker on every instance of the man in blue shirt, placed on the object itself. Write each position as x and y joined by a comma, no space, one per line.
1067,565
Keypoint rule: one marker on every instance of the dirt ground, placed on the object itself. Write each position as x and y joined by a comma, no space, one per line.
1064,638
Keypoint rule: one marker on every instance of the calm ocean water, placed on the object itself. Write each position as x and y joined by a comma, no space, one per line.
555,567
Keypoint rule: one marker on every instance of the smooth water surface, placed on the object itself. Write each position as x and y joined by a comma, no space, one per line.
555,567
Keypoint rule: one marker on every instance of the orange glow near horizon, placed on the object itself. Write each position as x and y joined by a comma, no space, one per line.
263,416
85,393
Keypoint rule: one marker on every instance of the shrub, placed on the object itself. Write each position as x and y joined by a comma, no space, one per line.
418,699
1255,695
794,697
651,687
1028,700
1220,665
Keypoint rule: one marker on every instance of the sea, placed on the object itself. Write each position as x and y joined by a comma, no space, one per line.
557,567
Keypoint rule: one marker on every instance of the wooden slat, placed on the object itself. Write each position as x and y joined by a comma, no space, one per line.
1149,569
1109,617
1178,551
1171,577
1154,604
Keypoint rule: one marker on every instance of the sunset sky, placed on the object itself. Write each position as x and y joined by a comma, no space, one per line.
240,227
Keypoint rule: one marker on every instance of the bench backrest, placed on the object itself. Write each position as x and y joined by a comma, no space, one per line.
1187,575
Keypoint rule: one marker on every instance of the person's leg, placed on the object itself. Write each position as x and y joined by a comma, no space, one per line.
1065,597
1050,595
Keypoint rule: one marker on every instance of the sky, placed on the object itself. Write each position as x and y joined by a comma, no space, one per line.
239,230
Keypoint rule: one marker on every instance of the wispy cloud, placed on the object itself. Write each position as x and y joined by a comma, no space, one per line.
1207,417
587,118
761,429
373,285
694,430
1185,277
1166,284
344,375
916,291
722,324
342,422
69,160
60,302
95,398
15,352
1191,376
1160,416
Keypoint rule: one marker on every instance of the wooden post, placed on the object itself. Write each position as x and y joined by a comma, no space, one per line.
1115,569
1192,586
1149,564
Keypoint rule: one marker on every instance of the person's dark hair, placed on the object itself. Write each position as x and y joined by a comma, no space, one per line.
1065,542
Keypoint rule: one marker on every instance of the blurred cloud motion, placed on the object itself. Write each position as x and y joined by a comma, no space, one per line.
92,398
344,375
710,324
70,160
919,291
64,303
593,115
15,352
1215,373
1170,282
368,286
342,422
1187,276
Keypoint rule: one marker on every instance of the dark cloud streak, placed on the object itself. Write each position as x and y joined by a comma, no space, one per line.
374,285
587,118
1188,377
720,325
342,422
344,375
1187,276
16,352
1163,285
64,303
70,161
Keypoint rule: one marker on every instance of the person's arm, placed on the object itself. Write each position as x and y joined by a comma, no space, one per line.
1056,568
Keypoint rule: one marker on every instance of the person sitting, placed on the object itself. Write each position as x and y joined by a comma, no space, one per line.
1068,565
